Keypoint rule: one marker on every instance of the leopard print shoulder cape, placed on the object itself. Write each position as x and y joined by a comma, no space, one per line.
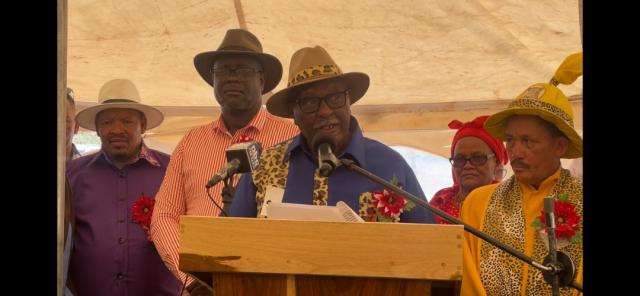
500,272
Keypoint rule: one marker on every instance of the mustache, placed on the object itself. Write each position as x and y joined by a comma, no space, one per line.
118,138
468,173
322,122
232,86
519,163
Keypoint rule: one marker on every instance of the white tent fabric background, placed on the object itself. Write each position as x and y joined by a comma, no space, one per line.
429,61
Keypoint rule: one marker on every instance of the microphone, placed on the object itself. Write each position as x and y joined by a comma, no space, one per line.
242,158
550,219
229,169
327,162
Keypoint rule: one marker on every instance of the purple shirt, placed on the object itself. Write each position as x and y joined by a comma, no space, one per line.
112,255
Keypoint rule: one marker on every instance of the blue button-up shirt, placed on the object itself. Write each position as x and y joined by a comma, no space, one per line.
111,253
344,185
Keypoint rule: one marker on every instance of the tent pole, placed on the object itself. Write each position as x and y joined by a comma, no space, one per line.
581,21
61,125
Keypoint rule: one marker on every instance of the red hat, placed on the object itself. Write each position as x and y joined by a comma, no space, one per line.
475,128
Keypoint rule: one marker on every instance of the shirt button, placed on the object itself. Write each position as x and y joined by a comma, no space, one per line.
121,240
120,276
121,198
120,220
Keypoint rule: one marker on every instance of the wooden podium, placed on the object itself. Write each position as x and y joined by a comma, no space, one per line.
277,257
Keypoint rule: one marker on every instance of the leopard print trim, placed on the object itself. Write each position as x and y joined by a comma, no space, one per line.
535,282
501,273
367,211
320,189
274,171
537,104
313,72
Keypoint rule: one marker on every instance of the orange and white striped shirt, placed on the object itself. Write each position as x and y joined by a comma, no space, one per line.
198,156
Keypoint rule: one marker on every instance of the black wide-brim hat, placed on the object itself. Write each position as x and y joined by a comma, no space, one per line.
241,42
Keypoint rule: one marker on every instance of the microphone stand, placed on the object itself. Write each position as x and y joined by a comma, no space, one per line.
551,232
228,192
564,270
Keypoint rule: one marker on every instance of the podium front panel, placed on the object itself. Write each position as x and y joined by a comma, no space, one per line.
379,250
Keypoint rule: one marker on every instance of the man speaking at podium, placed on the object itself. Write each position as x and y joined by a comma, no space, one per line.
318,96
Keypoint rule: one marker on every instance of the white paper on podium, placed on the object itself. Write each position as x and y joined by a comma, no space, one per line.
273,194
291,211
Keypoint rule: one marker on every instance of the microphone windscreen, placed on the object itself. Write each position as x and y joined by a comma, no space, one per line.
248,153
324,139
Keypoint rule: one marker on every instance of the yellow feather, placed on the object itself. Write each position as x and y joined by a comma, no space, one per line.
569,70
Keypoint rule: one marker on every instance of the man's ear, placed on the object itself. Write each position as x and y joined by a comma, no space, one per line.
95,125
296,117
561,146
143,125
262,82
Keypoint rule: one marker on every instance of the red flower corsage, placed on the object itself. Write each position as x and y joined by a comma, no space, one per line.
141,212
243,139
567,220
388,205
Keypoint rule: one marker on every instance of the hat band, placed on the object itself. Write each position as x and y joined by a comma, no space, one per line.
314,72
537,104
239,48
111,101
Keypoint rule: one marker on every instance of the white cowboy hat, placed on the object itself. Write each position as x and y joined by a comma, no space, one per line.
120,94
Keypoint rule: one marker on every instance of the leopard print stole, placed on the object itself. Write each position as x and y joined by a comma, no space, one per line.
274,172
500,272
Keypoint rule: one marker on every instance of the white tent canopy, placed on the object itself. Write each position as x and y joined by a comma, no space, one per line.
429,61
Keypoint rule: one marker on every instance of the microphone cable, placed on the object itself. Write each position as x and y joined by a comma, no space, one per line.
215,203
184,285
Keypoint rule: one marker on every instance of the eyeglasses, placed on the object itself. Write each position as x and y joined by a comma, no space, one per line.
241,73
312,104
476,160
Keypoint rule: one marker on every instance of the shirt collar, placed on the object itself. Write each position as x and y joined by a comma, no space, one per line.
355,149
74,151
145,154
257,122
546,183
